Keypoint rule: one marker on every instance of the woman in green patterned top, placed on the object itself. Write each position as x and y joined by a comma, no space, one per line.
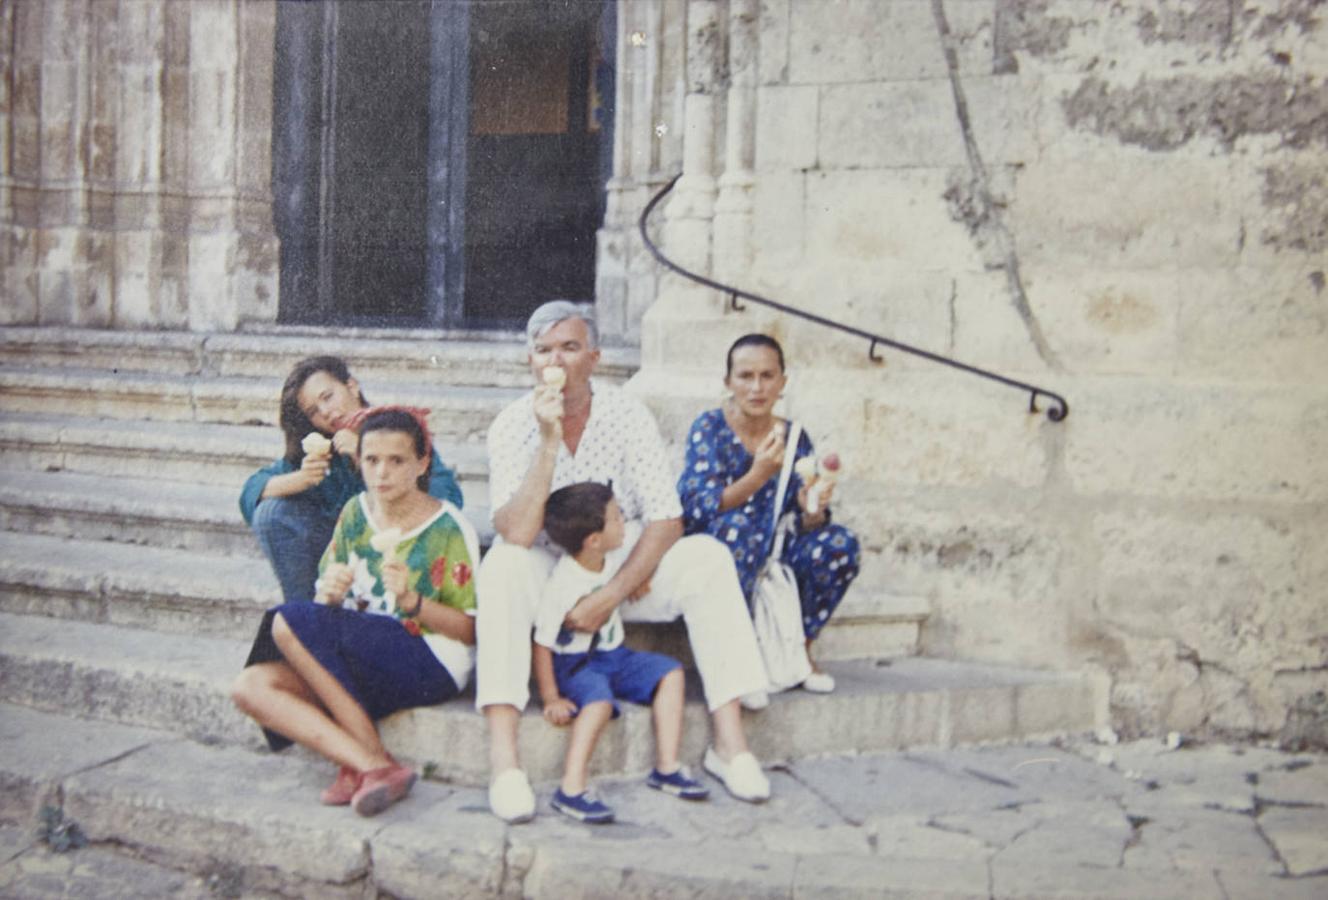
392,627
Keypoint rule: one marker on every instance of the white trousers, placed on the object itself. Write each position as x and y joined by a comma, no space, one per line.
695,580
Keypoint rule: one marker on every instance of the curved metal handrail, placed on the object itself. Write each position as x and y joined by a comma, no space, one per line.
1055,413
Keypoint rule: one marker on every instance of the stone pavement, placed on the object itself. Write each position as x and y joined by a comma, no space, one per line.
1076,818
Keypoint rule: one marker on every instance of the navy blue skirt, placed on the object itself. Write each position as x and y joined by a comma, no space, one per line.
378,662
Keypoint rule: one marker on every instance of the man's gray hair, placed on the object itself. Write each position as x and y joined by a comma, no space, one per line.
555,311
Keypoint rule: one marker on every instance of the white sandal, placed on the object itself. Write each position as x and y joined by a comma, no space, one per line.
819,683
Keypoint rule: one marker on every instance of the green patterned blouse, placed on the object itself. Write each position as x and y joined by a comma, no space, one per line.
438,554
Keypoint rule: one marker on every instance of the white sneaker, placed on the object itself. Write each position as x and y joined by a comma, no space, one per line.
741,776
819,683
511,798
756,700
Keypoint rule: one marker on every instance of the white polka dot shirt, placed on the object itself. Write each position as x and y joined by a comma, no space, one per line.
621,443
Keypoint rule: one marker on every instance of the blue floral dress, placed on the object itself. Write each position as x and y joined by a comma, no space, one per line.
824,561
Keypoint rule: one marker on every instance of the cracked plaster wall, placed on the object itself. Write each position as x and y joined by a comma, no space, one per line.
1125,202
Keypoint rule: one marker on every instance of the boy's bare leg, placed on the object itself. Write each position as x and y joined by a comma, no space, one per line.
276,697
340,705
587,725
667,713
730,739
503,720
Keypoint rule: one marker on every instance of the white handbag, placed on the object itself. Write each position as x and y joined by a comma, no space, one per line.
776,608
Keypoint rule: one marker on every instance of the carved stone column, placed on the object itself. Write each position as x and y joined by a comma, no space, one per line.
681,347
139,250
733,210
691,209
137,180
232,250
20,55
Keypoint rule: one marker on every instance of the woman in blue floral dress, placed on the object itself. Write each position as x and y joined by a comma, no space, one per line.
728,485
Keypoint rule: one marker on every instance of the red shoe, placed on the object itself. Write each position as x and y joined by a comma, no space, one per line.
340,792
380,788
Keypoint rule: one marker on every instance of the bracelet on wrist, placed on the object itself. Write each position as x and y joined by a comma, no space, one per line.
419,604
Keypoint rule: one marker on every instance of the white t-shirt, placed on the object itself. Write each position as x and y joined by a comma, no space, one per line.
568,583
621,444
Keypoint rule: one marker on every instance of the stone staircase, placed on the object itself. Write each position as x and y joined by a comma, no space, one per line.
130,589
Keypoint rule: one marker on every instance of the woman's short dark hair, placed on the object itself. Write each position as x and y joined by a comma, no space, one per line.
753,340
575,512
400,420
294,423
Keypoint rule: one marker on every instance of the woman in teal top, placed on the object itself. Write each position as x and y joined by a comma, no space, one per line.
392,625
292,504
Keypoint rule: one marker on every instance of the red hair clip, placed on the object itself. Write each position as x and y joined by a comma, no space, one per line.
355,421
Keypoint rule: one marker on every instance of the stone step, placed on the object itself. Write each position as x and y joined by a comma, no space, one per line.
478,360
170,817
201,453
458,414
203,518
164,590
183,591
247,825
180,684
170,514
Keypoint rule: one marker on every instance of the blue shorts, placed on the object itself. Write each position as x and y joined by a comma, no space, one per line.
611,675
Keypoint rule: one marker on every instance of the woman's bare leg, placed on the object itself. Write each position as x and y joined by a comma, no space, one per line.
340,705
276,697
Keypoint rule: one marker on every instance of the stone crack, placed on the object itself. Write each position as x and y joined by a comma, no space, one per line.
792,773
986,212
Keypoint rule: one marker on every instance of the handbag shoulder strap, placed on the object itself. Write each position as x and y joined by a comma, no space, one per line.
790,453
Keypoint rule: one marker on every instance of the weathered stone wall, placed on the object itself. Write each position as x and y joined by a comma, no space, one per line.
135,172
1125,202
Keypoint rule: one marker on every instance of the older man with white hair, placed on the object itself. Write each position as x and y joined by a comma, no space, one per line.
559,435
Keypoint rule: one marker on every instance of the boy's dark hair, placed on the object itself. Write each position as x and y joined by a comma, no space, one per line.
294,423
400,420
575,512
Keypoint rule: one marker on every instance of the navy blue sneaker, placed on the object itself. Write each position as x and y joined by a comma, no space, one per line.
584,807
679,784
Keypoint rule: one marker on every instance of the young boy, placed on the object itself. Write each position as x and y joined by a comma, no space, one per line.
582,676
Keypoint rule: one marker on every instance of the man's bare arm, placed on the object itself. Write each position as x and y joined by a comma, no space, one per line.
594,609
521,518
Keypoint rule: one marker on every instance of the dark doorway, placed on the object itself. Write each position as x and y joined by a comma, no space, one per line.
439,162
379,187
535,180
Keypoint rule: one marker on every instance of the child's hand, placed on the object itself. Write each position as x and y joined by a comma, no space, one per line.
346,442
334,583
559,712
395,575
